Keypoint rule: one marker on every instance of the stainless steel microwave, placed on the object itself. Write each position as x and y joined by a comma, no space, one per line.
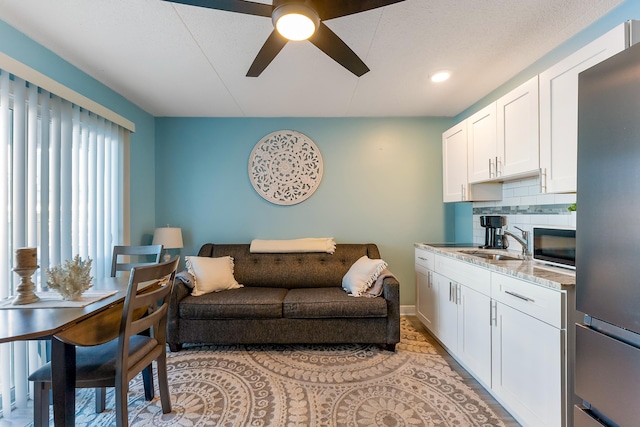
555,246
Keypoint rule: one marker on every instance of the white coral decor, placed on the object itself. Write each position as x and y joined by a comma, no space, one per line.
72,279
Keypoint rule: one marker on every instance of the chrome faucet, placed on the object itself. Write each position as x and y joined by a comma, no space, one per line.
524,241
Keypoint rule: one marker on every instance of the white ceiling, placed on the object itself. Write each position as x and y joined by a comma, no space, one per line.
177,60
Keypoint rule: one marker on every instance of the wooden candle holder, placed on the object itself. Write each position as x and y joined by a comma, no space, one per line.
25,290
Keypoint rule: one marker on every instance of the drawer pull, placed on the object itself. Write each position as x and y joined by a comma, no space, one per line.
522,297
422,258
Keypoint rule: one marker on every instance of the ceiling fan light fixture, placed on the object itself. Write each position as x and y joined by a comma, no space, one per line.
295,21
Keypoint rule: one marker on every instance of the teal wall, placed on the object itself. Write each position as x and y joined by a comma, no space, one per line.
382,183
25,50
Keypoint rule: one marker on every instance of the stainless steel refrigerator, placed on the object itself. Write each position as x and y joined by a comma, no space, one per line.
607,359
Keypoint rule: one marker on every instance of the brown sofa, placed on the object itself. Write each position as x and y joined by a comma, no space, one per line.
287,298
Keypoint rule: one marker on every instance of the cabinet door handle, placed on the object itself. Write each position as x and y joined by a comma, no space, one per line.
493,313
543,180
490,167
462,195
498,170
490,312
450,291
429,279
458,291
522,297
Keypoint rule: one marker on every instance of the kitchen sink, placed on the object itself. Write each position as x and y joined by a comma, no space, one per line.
491,256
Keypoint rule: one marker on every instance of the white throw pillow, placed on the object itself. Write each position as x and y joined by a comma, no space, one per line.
211,274
362,274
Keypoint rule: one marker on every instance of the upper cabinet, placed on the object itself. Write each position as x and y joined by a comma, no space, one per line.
481,155
503,136
455,185
517,139
529,131
559,110
454,165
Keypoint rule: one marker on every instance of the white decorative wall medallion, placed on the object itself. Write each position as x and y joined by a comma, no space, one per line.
285,167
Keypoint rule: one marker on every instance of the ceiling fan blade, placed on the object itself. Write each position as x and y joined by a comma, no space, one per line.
329,9
328,42
239,6
269,50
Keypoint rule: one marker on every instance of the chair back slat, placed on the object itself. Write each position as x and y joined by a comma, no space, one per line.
143,255
152,300
149,300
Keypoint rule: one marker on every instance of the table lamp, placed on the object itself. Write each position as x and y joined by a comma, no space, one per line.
169,238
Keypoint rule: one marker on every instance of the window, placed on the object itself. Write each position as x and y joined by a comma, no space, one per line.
61,187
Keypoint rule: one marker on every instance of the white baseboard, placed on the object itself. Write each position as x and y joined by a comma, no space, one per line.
407,310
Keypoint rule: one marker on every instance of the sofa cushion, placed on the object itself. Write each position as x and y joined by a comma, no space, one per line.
314,303
243,303
291,270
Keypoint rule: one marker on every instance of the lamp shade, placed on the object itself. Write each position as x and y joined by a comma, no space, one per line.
168,237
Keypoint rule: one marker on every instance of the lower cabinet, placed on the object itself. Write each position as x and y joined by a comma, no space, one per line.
474,333
447,330
461,323
510,334
526,367
426,295
529,350
464,314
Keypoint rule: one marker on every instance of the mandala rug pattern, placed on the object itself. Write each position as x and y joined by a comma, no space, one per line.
305,385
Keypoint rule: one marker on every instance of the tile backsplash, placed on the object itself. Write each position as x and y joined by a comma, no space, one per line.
524,206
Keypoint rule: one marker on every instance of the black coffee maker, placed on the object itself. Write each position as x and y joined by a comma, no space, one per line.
493,237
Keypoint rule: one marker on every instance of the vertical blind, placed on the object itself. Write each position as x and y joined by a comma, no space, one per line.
61,182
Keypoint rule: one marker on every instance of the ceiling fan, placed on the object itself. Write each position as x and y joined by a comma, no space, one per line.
305,14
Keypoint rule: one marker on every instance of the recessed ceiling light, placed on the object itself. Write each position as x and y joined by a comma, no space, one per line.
440,76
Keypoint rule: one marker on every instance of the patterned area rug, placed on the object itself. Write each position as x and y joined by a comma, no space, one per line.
305,385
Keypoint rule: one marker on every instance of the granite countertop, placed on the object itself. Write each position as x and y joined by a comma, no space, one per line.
547,276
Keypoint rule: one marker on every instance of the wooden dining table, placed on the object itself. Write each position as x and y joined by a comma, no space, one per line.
96,323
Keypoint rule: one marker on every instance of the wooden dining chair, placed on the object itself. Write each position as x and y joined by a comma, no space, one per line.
136,256
117,362
124,258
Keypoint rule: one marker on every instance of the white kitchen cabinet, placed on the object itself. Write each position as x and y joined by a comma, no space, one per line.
447,331
509,333
481,146
559,111
518,137
454,163
528,351
503,140
426,297
474,333
464,314
455,187
426,290
527,375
